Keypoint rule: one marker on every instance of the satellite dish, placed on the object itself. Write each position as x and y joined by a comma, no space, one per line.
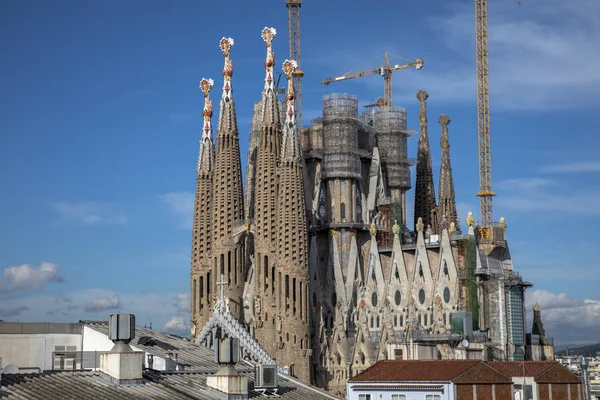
465,343
10,369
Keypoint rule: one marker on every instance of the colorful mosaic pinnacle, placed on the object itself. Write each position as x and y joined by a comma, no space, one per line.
226,44
206,155
268,34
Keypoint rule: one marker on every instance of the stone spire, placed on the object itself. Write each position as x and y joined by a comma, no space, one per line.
292,245
265,203
538,325
201,232
424,190
228,201
446,195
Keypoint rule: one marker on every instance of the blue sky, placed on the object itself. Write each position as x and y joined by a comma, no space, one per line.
100,118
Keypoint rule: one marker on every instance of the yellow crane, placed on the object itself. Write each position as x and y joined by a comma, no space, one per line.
385,71
483,118
293,7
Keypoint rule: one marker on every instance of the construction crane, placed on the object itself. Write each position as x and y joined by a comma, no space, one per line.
483,118
293,7
385,71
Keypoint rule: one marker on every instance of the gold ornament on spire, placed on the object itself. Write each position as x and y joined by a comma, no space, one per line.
396,228
289,66
470,219
536,307
373,229
226,44
206,85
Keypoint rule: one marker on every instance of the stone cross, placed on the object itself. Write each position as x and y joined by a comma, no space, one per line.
222,299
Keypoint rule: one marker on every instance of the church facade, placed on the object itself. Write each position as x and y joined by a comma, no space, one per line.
322,267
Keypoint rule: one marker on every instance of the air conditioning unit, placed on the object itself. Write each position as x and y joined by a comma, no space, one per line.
266,376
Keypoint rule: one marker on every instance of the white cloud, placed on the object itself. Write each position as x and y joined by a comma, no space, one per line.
93,304
540,54
103,303
566,319
177,325
89,213
29,277
183,302
584,166
182,205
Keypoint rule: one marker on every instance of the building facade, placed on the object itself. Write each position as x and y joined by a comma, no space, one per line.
320,263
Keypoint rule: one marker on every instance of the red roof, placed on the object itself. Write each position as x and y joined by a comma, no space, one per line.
517,368
415,370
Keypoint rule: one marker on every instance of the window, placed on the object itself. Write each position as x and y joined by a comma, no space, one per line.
398,397
343,211
364,397
433,397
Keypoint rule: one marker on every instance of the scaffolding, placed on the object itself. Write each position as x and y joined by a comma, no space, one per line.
467,249
392,134
341,156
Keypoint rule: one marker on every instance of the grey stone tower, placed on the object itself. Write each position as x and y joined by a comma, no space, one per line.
446,196
200,298
425,207
228,256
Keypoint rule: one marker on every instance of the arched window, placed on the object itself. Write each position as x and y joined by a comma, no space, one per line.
343,210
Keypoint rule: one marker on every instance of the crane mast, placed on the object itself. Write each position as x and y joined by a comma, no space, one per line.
385,71
293,7
483,116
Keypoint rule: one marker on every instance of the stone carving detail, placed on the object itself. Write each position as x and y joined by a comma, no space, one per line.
420,225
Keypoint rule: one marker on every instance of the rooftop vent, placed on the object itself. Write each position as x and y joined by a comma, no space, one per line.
227,380
122,365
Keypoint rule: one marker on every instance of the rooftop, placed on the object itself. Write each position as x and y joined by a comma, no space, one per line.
156,385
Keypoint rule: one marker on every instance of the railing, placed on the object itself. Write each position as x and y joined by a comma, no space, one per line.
74,360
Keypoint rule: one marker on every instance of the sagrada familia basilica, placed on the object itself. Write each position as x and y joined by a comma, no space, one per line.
315,266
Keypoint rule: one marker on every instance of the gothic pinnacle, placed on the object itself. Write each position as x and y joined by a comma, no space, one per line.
447,200
206,156
425,204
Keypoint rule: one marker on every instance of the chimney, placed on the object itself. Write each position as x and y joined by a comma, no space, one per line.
122,365
227,380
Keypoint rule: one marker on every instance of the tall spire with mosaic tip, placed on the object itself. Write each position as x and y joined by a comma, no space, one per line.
227,210
424,190
200,303
446,196
265,202
292,245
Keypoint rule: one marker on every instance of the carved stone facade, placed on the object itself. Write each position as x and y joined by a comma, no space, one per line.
335,279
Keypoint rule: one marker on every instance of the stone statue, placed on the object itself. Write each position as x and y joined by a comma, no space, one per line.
452,227
279,324
420,224
502,223
428,232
